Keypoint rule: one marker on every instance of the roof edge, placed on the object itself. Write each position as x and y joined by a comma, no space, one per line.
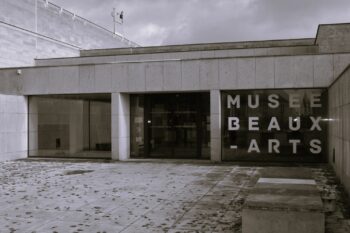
199,47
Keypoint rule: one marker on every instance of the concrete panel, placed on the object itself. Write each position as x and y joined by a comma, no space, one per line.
56,80
136,78
35,81
240,52
341,61
246,73
209,74
260,52
12,140
346,123
190,75
10,82
154,76
215,149
22,124
71,79
86,78
221,53
13,127
228,73
323,70
265,72
123,126
215,126
285,72
346,150
346,87
215,102
2,104
10,122
22,104
124,149
120,77
172,76
304,68
10,104
2,143
103,78
207,54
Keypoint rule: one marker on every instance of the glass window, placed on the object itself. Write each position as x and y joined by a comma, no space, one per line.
70,126
274,125
172,125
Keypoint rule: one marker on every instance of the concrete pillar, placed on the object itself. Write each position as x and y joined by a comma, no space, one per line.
215,125
76,139
120,126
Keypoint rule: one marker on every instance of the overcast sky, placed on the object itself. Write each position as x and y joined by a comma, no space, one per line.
164,22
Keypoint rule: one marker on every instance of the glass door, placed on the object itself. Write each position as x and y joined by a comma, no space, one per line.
172,125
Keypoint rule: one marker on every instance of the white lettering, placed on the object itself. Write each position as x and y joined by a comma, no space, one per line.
273,101
253,146
253,123
250,101
315,100
315,146
315,123
233,123
296,121
294,143
232,102
273,124
294,101
273,146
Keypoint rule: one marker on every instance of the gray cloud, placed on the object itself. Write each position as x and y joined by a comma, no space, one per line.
159,22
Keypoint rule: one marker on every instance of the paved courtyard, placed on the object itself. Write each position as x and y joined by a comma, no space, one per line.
56,196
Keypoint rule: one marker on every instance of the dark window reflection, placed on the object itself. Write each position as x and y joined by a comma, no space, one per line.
170,125
284,125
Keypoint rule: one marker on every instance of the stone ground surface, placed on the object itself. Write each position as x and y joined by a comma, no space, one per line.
56,196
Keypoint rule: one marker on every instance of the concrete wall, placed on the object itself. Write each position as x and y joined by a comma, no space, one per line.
333,38
205,74
13,127
32,29
232,69
304,71
339,127
19,47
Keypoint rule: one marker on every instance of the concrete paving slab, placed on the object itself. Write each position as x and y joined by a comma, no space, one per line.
39,196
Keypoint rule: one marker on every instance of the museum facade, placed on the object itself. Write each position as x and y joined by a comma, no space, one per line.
274,101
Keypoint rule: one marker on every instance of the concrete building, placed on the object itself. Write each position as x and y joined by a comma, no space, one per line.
37,28
282,100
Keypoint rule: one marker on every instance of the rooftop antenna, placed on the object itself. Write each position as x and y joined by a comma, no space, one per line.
118,18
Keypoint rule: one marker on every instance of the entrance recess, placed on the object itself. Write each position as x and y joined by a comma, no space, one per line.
174,126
